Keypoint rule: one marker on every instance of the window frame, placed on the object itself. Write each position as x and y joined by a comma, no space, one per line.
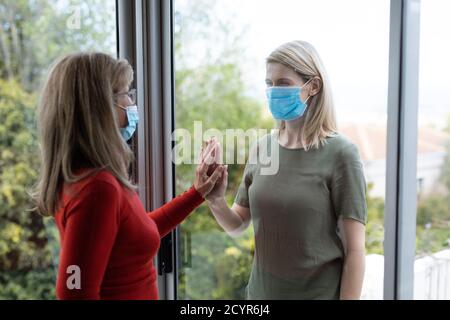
401,153
145,40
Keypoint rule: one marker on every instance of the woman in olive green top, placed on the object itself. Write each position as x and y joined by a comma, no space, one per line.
309,217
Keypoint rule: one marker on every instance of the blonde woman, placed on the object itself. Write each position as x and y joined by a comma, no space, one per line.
108,240
309,218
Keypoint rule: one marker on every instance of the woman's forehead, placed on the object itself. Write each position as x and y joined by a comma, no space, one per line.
275,70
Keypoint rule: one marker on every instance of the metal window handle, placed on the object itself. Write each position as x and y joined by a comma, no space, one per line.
165,261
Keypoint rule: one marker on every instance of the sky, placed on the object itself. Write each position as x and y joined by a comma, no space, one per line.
352,38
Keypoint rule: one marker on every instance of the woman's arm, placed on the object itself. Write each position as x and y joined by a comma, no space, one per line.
233,220
174,212
353,238
236,219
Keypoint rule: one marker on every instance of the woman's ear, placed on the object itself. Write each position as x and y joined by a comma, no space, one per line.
316,85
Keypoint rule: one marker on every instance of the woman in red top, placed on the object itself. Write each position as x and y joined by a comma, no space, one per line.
108,240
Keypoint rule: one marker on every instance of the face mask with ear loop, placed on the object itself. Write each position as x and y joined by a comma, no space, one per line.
285,102
132,118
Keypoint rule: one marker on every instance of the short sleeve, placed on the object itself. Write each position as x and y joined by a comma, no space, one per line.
348,187
242,198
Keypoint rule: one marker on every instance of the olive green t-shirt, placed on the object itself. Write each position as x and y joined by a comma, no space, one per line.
298,251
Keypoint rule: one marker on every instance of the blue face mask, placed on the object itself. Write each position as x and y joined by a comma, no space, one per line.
285,102
133,118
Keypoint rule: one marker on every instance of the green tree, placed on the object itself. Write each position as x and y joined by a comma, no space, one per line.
25,257
375,221
32,35
433,212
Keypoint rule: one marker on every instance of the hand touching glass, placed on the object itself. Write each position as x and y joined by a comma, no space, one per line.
214,148
209,171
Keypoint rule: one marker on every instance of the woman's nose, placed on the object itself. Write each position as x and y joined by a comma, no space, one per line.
129,101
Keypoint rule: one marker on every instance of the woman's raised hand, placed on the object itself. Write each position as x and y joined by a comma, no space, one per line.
209,171
220,187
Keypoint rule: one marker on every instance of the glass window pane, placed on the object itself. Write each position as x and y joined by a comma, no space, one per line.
432,264
220,51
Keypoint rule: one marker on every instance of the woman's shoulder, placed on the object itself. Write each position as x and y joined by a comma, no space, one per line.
339,139
96,175
90,180
106,177
342,146
90,183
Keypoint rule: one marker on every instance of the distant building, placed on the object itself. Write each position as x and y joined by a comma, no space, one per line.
371,141
431,277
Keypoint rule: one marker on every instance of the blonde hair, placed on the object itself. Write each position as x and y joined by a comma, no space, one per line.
77,124
320,119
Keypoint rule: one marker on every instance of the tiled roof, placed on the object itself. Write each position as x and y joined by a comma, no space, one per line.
371,140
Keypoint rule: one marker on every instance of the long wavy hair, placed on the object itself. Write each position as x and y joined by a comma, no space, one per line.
77,124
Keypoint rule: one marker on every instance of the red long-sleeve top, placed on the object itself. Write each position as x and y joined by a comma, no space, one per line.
111,240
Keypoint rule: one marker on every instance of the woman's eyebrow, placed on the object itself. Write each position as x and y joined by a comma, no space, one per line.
284,79
280,79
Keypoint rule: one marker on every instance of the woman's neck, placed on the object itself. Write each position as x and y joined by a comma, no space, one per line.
290,134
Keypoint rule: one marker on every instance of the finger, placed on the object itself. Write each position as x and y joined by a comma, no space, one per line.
207,145
201,156
210,158
210,146
224,178
204,145
212,181
202,168
219,153
216,175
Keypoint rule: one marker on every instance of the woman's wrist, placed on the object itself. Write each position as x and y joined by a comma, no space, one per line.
198,193
216,201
